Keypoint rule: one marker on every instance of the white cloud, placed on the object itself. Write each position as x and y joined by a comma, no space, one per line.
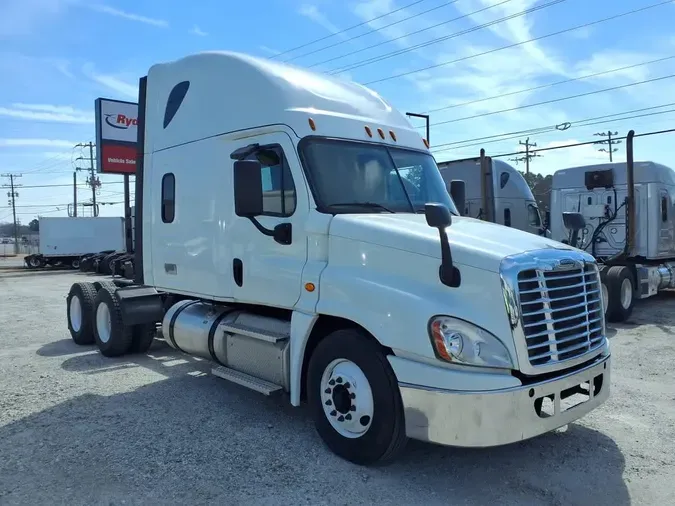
46,143
106,9
112,82
22,17
312,12
198,31
45,112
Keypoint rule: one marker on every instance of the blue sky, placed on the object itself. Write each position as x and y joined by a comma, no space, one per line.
57,56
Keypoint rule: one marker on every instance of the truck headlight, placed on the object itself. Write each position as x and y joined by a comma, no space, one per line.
461,342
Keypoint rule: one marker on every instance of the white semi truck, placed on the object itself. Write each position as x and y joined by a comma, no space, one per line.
496,192
622,213
63,240
295,230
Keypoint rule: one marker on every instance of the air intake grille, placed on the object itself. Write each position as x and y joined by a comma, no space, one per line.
561,313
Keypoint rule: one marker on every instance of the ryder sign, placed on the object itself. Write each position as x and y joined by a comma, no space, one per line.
116,131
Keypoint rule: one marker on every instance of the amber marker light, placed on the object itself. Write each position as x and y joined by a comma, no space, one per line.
381,132
310,287
369,131
312,125
393,135
426,143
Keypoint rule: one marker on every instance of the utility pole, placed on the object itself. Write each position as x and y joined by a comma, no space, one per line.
75,194
13,194
92,180
609,143
528,156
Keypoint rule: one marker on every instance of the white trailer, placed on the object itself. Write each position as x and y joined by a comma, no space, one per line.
634,244
63,241
496,192
295,230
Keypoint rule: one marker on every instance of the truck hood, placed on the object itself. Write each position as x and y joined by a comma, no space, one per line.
473,242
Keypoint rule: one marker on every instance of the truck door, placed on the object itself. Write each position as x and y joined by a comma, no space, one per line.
266,272
665,227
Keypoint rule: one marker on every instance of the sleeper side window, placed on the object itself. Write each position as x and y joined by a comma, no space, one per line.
278,188
507,217
664,208
168,197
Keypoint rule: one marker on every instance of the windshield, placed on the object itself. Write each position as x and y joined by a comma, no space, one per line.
350,177
533,215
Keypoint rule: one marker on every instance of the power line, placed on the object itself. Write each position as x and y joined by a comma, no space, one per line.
373,46
588,143
549,85
555,100
399,52
490,139
516,44
70,185
374,30
347,29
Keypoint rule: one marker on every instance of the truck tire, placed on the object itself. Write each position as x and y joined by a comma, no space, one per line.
80,311
36,262
621,290
354,398
143,337
98,284
113,337
75,263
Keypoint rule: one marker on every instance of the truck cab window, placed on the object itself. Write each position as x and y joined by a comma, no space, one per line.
168,197
533,218
277,182
664,209
358,177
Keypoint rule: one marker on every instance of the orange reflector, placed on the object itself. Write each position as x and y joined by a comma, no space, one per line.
381,132
426,143
310,287
369,131
393,135
312,125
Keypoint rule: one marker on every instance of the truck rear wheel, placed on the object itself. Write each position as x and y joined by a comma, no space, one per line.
80,304
113,337
354,399
621,291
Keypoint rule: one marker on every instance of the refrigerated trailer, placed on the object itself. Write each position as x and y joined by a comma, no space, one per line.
294,229
496,192
624,217
64,240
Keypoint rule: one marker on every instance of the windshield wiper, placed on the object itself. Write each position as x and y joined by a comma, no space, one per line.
373,205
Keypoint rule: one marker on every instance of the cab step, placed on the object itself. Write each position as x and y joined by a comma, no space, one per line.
270,336
246,380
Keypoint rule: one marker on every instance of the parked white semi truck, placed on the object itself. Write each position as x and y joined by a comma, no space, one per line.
496,192
294,229
623,214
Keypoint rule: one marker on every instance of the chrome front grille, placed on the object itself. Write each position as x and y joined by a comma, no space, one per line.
561,312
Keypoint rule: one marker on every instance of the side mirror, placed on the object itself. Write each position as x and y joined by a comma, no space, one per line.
437,215
573,221
457,190
248,198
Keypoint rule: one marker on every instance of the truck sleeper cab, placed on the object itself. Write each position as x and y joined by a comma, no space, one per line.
504,197
295,230
631,268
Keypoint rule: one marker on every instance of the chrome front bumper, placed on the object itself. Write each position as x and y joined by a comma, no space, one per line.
492,418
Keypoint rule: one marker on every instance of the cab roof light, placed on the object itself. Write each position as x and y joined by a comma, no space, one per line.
312,125
381,132
393,135
369,131
426,143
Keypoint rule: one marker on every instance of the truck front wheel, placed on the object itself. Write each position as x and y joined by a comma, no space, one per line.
621,291
354,399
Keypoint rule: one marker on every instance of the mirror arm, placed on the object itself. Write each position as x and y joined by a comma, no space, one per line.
261,229
447,272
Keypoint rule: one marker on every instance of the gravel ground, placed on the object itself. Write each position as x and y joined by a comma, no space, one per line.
76,428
